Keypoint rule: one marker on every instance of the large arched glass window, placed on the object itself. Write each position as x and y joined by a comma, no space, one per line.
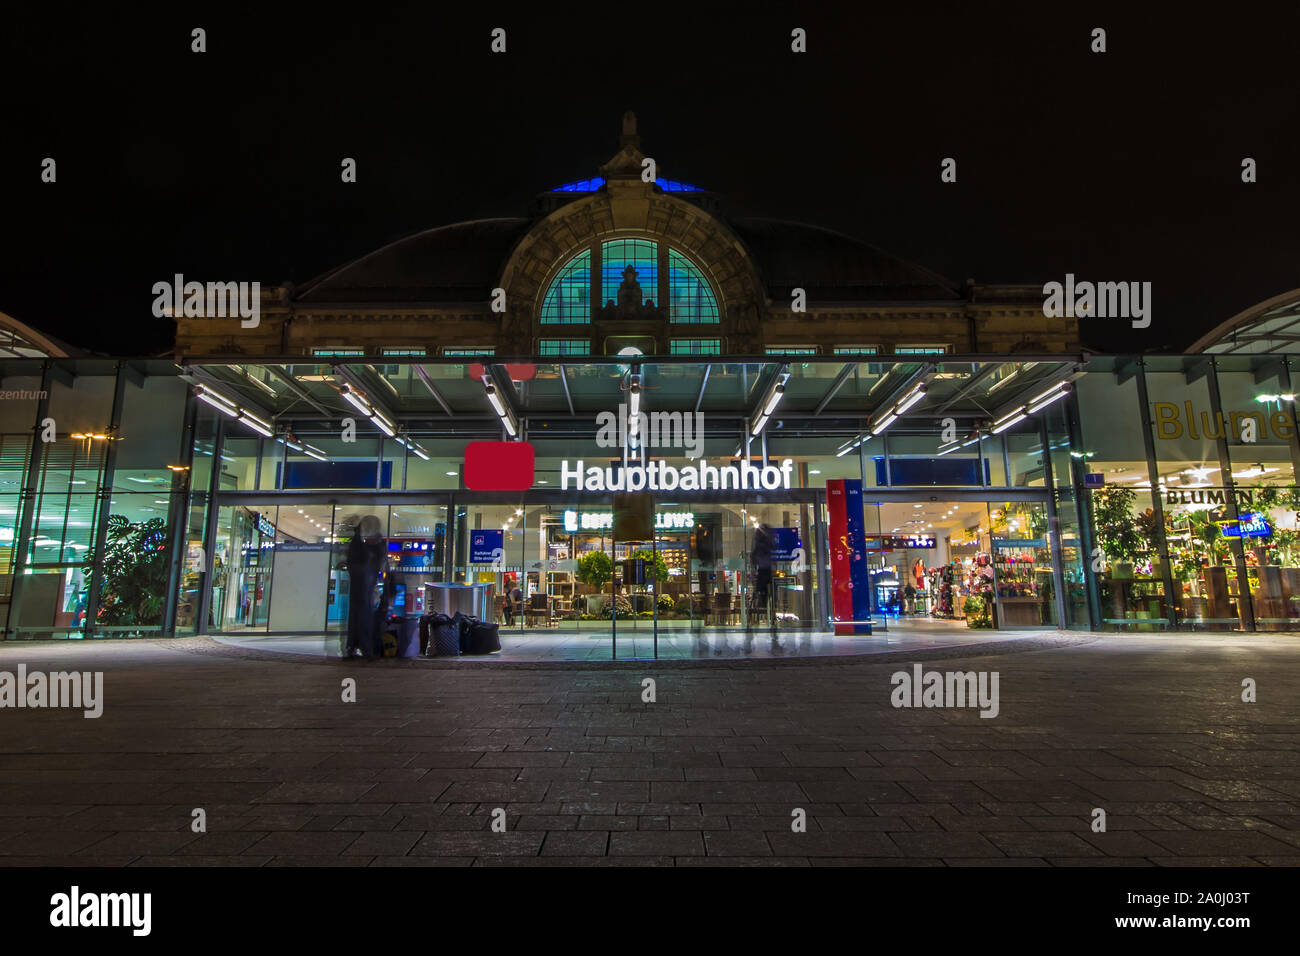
568,301
689,297
642,255
686,296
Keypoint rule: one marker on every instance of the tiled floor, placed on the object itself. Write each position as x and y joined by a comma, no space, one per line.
681,643
1152,729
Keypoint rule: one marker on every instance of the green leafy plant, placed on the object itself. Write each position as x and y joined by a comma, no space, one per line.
666,603
1209,535
977,612
660,566
595,569
621,607
1116,527
134,581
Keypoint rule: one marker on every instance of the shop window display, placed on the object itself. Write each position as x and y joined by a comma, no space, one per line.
1202,544
1132,587
1022,565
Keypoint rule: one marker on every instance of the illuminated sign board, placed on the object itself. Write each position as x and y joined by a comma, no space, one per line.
661,476
785,542
577,521
485,545
1251,525
887,541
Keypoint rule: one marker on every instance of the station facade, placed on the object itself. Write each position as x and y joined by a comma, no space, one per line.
487,389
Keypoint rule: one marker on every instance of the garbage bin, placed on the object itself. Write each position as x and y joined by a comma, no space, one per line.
407,629
469,599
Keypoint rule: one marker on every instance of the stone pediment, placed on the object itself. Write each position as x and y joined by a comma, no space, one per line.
626,163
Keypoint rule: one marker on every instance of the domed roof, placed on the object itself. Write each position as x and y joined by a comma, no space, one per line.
1269,326
833,267
20,340
463,263
457,263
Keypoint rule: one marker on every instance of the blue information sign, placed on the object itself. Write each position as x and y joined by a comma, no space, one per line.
785,541
1251,525
484,545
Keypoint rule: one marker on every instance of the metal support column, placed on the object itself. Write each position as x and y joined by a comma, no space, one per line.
1053,524
204,610
1083,514
1245,601
178,517
27,503
105,495
1157,505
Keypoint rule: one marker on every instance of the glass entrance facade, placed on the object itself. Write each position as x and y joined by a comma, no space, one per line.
1126,494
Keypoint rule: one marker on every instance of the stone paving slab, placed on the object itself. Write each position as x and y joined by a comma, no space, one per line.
1150,729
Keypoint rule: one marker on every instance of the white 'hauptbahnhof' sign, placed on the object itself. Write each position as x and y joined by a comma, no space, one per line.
661,476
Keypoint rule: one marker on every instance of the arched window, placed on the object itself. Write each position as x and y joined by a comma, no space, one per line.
642,255
689,297
568,301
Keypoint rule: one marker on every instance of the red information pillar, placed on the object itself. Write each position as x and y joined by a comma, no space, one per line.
841,556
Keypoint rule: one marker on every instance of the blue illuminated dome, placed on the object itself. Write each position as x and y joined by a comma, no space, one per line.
591,185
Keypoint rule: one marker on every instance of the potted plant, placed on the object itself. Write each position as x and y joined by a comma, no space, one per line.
1118,535
621,608
1117,529
594,570
135,571
655,558
977,612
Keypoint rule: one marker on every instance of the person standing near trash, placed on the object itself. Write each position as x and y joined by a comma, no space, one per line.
760,557
365,561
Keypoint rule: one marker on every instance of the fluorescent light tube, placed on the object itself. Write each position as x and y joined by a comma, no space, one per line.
774,399
1037,406
357,400
910,400
219,404
1041,395
878,428
1018,415
256,424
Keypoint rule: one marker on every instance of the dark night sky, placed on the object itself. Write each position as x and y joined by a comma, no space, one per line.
1122,166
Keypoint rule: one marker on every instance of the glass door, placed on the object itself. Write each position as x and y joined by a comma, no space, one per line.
1022,564
782,593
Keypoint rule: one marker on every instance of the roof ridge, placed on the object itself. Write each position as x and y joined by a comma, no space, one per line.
312,284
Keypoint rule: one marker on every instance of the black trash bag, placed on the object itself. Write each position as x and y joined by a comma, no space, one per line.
462,622
444,636
484,638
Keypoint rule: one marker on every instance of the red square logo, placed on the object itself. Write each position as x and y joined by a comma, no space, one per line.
516,373
499,466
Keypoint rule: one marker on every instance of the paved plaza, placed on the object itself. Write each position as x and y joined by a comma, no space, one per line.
1151,729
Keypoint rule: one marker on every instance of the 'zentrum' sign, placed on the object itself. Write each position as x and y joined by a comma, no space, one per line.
661,476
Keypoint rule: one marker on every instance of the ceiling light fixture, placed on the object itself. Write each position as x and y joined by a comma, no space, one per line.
506,415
